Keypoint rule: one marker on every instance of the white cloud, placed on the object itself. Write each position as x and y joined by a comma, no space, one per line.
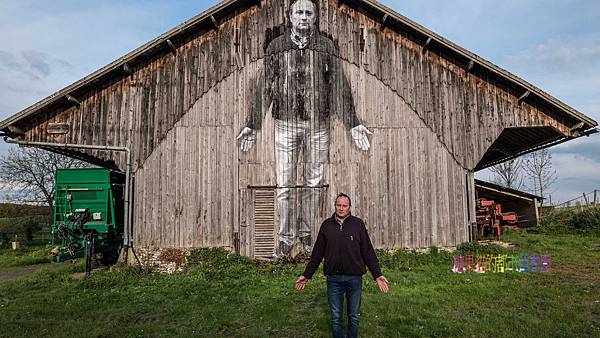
587,148
565,66
47,46
564,55
575,166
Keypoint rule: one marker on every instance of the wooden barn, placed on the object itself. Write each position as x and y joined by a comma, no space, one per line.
380,108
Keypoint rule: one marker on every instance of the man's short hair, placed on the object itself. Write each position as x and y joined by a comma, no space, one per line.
294,2
343,195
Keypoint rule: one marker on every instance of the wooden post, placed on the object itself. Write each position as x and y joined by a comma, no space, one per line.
585,199
595,196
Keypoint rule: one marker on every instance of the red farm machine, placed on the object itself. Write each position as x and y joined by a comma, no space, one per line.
491,219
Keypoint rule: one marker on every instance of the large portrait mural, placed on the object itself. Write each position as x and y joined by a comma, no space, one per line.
302,85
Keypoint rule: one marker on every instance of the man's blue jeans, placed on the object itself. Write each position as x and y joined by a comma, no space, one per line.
339,286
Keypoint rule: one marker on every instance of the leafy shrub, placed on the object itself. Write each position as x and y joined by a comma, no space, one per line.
586,221
572,221
198,256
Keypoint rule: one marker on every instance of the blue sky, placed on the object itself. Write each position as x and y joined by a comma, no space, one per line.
553,44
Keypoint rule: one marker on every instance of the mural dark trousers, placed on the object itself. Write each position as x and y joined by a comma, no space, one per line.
339,286
291,138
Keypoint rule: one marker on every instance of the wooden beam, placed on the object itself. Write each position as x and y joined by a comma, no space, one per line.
426,45
576,130
239,60
172,46
16,131
502,192
127,69
470,66
523,97
383,21
577,126
60,128
362,41
73,100
214,22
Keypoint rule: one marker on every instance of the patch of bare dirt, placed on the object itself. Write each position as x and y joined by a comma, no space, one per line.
14,273
498,243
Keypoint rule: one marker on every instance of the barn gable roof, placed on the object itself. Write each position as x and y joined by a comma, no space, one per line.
211,18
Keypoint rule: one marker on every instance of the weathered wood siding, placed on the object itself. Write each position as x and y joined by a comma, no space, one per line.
180,114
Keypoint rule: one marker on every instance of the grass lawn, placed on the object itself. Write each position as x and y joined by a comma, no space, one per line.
25,255
230,296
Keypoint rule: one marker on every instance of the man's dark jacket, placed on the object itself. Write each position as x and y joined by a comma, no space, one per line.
346,248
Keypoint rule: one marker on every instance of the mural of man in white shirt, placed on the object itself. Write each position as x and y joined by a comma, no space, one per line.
302,83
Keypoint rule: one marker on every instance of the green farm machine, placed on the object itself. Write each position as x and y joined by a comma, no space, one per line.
88,216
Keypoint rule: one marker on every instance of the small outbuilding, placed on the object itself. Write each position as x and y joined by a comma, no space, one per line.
525,205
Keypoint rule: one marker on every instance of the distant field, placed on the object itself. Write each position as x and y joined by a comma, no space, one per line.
231,296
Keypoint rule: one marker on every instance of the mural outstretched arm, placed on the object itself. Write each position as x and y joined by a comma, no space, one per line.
263,97
349,116
248,137
359,134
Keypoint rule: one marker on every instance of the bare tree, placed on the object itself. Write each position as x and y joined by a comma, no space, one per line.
538,168
29,174
509,174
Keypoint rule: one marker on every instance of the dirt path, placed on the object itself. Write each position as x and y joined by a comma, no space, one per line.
17,272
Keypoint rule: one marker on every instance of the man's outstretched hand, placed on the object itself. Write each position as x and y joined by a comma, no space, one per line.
382,282
248,137
359,134
301,282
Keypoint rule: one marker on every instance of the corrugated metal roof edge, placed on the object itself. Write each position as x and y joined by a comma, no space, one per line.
155,44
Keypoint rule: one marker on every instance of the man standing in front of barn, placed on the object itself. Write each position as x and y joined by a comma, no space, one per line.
345,244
